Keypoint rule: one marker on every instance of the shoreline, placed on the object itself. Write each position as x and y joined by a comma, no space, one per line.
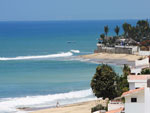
118,59
80,107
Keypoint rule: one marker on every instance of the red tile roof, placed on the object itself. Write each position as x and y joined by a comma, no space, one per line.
138,77
132,91
116,110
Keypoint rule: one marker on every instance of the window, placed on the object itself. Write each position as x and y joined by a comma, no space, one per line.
133,99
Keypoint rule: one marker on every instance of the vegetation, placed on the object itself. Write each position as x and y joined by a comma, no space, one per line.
140,33
122,82
103,82
145,71
106,29
107,84
117,29
98,107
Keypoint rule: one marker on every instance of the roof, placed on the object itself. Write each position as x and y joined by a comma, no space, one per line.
116,110
138,77
132,92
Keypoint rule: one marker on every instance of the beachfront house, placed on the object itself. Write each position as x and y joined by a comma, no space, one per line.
121,46
139,65
137,99
137,81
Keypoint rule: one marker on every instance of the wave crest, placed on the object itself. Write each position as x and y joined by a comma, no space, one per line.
10,104
67,54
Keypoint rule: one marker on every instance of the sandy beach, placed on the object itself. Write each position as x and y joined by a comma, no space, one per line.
83,107
108,56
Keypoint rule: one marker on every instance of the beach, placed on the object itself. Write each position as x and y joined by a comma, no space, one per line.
83,107
109,56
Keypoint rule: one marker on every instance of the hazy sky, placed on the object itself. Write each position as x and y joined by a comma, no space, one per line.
13,10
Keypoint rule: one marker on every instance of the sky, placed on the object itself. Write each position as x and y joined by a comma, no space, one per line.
44,10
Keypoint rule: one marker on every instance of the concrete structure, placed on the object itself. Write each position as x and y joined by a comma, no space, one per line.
115,104
139,65
117,49
137,81
137,100
144,53
134,101
119,110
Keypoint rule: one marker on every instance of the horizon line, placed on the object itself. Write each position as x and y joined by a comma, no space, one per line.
72,20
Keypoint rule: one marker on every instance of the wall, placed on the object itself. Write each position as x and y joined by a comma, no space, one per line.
139,96
114,106
134,108
136,71
131,85
144,53
144,62
114,50
147,100
139,106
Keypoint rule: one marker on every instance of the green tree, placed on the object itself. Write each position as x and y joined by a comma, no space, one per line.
126,27
103,82
122,81
126,70
117,29
106,30
102,36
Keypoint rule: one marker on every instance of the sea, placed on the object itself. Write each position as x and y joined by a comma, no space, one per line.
39,63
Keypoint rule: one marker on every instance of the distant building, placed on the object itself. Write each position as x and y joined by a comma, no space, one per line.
121,46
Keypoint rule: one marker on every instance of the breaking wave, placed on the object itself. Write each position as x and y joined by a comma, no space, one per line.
10,104
75,51
63,54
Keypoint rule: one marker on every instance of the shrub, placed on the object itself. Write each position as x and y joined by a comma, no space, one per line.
98,107
145,71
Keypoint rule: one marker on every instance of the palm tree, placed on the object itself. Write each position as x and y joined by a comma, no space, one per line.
126,28
102,36
106,30
117,29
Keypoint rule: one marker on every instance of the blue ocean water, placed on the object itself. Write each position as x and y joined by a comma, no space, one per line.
38,63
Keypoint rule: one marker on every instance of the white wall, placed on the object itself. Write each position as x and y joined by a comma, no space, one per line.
144,53
140,84
131,85
137,107
147,100
114,106
144,62
139,96
134,108
137,84
136,70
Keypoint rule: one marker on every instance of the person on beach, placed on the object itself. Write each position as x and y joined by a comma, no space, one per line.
57,104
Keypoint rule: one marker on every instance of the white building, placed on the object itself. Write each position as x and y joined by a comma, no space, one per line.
137,100
137,81
139,65
134,101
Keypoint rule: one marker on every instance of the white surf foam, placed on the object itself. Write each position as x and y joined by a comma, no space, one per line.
63,54
75,51
67,54
10,104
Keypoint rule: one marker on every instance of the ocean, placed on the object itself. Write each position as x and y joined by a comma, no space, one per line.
39,64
